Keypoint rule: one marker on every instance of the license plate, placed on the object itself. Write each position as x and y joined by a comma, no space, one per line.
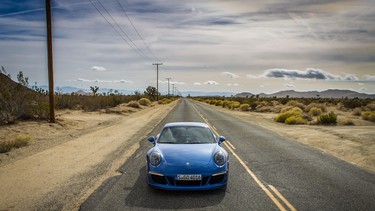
189,177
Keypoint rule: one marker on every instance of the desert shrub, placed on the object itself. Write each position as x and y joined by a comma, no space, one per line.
371,106
347,122
244,107
144,102
207,101
20,141
234,104
213,102
322,107
225,103
357,111
295,103
295,120
133,104
327,119
315,111
166,101
219,103
368,115
285,115
286,108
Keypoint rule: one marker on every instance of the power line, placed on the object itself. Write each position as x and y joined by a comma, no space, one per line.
114,28
135,29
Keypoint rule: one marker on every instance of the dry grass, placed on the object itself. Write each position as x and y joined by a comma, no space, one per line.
20,141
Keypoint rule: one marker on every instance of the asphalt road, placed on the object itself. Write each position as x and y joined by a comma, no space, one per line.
267,172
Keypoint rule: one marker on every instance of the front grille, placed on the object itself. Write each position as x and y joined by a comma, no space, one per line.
158,179
188,183
217,179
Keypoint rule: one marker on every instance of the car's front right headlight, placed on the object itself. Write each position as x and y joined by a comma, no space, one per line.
220,158
155,158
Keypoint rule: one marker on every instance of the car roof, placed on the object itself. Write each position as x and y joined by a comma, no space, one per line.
193,124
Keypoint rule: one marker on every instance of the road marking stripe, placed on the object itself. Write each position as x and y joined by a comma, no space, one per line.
282,198
260,184
230,144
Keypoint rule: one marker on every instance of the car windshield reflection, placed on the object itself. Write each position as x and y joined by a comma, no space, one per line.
186,135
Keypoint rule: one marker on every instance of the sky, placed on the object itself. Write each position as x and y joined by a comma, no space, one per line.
205,46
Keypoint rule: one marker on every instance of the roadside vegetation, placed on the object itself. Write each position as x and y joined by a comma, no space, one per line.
294,111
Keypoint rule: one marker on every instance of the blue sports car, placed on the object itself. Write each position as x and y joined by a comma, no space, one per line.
187,156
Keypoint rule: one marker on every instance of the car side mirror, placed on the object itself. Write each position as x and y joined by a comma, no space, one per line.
151,139
221,139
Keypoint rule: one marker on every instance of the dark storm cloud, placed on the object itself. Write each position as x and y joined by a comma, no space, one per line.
309,73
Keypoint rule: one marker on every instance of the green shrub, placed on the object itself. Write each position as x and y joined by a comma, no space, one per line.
315,111
368,115
219,103
133,104
213,102
285,115
371,106
286,108
244,107
234,104
295,120
327,119
144,102
166,101
226,103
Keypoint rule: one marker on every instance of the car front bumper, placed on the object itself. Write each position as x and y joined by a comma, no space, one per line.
170,182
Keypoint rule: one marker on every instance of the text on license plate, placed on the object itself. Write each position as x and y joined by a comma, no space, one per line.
189,177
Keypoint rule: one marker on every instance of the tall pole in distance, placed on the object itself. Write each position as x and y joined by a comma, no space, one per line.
168,85
173,89
157,79
50,62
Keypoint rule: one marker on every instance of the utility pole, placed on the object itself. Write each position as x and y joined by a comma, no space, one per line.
157,79
173,89
168,85
50,62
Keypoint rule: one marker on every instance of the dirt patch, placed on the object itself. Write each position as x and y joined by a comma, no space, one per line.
70,158
354,144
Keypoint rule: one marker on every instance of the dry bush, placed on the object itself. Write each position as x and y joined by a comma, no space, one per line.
357,111
144,102
133,104
234,104
346,121
219,103
20,141
322,107
286,108
370,106
295,103
368,115
315,111
285,115
226,103
244,107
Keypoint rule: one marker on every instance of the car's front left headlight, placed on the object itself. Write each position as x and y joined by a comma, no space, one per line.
220,158
155,158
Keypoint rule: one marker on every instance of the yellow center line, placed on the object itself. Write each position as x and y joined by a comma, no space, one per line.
230,144
282,198
260,184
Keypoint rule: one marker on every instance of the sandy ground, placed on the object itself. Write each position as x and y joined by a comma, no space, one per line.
71,158
354,144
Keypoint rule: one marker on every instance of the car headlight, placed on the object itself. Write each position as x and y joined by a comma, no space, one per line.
220,158
155,158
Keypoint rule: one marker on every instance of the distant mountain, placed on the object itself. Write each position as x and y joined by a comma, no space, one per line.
331,93
196,94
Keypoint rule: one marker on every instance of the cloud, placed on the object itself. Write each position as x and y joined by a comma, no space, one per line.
98,68
230,75
289,85
197,84
210,83
308,74
101,81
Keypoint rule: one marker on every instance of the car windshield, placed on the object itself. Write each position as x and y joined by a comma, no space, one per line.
186,135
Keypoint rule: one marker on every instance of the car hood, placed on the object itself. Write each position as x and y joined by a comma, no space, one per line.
187,154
